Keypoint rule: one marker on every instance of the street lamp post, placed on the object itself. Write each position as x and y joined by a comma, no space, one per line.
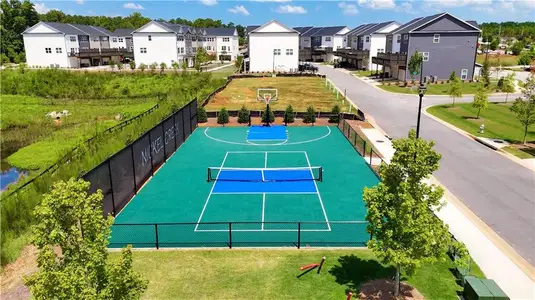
421,92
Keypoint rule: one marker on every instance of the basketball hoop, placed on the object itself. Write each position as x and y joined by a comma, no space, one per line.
267,98
267,95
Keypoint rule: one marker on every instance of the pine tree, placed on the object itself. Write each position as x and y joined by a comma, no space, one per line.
222,117
289,115
310,116
202,117
243,115
335,118
268,116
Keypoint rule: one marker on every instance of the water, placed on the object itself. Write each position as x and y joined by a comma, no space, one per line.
9,176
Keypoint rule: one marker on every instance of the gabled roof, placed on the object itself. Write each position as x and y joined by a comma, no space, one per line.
312,31
331,30
122,32
402,27
60,27
358,31
473,23
176,28
375,28
303,29
426,20
355,29
251,28
222,31
92,30
272,22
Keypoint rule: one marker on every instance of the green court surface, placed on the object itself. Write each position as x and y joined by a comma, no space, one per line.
178,207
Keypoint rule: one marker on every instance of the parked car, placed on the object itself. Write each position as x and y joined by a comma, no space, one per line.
307,67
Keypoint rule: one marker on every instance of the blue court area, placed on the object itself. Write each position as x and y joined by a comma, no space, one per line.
219,189
267,133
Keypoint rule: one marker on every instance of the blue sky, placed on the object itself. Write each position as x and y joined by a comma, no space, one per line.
300,13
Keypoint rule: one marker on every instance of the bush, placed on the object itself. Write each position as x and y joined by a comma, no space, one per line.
222,117
202,117
335,118
500,83
517,48
243,115
289,115
268,116
310,116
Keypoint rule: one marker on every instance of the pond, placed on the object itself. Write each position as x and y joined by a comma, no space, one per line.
8,173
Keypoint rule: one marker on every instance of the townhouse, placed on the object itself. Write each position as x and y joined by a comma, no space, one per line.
221,42
62,45
317,43
447,43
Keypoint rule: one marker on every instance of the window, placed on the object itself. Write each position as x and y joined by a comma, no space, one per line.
73,50
276,51
194,49
226,39
399,39
380,50
406,37
121,40
180,38
327,38
114,40
224,48
367,39
143,50
464,74
425,56
84,38
209,48
194,38
181,50
150,38
131,48
306,40
96,39
72,38
58,50
48,50
436,38
355,39
104,38
289,51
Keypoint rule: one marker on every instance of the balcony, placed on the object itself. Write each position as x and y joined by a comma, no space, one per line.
352,53
390,58
101,52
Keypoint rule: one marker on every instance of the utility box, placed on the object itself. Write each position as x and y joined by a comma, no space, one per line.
482,289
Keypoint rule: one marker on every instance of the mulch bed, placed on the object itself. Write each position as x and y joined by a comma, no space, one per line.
383,289
233,122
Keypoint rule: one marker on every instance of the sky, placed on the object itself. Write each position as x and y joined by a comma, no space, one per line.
301,13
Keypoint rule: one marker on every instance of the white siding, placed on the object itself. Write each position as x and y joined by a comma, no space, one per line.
338,41
34,47
395,44
94,42
261,48
325,42
389,28
220,44
305,42
117,44
70,45
161,48
377,41
235,47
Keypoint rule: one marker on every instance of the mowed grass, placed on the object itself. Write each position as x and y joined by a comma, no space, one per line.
363,73
502,60
271,274
435,89
300,92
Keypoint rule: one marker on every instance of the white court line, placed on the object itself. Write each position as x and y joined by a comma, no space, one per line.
260,230
318,192
278,144
265,160
261,140
263,209
267,169
210,194
266,151
267,193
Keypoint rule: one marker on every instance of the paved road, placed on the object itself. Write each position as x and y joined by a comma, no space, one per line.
500,191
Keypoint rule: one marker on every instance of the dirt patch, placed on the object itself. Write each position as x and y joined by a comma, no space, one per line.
383,289
233,122
12,282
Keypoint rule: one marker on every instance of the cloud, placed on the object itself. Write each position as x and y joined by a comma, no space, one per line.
457,3
209,2
348,9
271,0
131,5
79,1
41,8
406,7
378,4
289,9
239,9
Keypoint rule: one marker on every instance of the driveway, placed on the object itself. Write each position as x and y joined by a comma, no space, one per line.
500,191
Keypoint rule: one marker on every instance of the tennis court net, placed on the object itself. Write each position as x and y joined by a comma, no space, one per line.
265,174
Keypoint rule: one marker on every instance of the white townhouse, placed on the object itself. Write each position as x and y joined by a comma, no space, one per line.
223,42
273,47
121,38
62,45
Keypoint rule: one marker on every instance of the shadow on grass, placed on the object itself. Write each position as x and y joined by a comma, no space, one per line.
353,271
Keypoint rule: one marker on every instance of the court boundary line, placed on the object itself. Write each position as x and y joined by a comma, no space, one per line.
264,230
263,209
267,193
318,192
268,145
210,194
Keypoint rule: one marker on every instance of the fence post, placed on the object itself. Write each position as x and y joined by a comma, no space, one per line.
299,235
133,168
175,130
364,149
111,187
230,235
156,232
371,150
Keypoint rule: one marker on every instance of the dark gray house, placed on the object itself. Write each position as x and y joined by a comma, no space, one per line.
447,43
317,43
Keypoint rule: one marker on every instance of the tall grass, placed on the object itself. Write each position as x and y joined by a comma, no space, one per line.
16,210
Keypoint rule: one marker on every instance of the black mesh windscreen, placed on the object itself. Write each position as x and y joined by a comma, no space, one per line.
178,126
187,123
193,115
157,146
99,178
122,176
169,136
142,161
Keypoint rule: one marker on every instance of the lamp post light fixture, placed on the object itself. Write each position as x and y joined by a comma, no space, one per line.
421,92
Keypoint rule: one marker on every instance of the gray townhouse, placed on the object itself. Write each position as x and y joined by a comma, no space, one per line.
317,43
447,43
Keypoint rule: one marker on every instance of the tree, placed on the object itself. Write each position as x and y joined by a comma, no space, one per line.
132,65
72,221
289,115
526,57
120,66
335,118
175,66
524,109
112,65
480,100
243,115
405,232
494,44
268,116
485,73
508,85
222,117
153,67
184,66
200,58
453,76
16,16
454,90
415,63
238,63
163,66
517,48
142,67
201,115
310,115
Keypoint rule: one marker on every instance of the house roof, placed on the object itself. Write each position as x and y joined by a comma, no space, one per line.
176,28
275,21
473,23
355,29
251,28
222,31
303,29
312,31
402,27
425,20
374,29
75,29
63,28
331,30
358,31
122,32
92,30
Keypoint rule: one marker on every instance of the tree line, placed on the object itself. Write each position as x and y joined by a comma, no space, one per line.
16,16
524,31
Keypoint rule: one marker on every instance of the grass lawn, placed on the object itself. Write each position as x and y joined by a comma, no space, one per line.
502,60
300,92
433,89
271,274
42,142
499,122
223,72
362,73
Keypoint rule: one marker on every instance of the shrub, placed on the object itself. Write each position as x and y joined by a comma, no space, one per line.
289,115
132,65
310,116
243,115
268,116
336,117
222,117
202,117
